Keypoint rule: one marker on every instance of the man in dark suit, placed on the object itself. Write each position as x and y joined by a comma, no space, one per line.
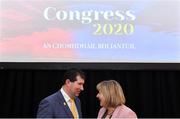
64,103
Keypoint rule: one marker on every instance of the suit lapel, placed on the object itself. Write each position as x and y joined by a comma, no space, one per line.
102,112
78,107
63,103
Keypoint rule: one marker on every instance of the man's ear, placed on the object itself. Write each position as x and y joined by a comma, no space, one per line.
68,82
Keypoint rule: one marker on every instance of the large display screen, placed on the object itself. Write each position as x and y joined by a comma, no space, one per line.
140,31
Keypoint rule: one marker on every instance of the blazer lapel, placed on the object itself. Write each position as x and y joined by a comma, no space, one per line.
78,107
64,104
101,113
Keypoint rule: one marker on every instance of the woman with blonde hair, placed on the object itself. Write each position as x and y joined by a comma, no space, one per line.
112,100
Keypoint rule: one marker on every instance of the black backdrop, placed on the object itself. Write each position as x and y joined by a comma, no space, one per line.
149,93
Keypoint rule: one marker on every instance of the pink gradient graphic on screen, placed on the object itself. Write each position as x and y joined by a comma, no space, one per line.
15,16
13,19
32,45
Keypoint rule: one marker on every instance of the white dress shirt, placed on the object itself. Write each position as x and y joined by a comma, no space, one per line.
67,99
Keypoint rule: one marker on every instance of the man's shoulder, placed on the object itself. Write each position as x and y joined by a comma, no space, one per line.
53,97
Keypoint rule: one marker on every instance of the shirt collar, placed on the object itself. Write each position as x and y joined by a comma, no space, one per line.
65,95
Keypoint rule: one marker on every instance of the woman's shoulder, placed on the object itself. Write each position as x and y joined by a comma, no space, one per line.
124,107
124,111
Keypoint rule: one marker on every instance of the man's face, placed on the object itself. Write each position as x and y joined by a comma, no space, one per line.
77,86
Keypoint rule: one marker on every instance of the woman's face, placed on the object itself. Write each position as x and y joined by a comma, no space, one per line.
101,99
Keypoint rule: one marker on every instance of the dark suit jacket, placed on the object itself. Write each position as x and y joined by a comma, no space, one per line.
55,106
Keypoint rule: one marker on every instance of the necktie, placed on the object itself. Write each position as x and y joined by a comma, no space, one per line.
73,108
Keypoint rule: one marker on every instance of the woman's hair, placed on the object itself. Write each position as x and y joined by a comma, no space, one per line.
112,92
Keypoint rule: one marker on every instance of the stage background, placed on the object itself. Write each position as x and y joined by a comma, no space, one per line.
150,93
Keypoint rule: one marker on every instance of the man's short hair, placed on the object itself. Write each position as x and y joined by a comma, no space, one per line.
71,74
